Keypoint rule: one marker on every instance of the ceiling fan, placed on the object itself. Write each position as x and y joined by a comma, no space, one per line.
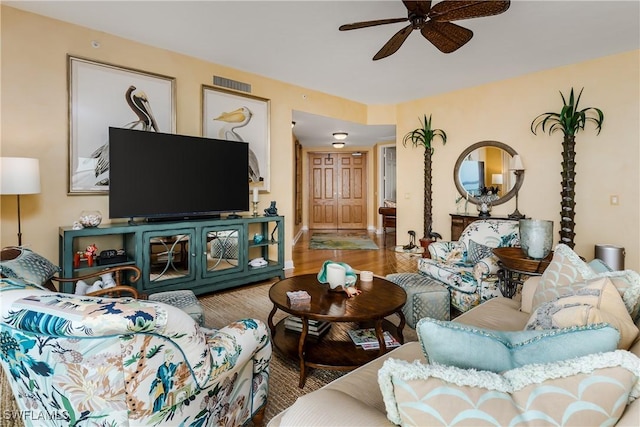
434,23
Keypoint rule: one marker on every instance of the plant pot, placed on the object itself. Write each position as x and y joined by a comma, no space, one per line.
424,243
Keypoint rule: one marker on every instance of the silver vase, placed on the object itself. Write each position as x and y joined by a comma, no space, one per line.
485,205
536,237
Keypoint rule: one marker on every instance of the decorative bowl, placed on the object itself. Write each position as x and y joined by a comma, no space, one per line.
90,219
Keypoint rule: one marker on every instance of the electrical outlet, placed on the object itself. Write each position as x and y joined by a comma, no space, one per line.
614,200
407,195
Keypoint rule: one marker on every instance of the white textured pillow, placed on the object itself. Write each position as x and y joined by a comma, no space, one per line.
589,390
566,268
586,303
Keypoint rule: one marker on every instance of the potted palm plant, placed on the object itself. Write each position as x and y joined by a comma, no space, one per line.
570,120
424,137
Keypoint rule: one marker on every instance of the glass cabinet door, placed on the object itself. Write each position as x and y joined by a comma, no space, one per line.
168,256
224,251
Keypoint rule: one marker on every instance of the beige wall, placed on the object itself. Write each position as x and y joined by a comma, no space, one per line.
34,123
606,164
35,117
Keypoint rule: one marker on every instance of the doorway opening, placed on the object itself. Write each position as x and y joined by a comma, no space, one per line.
388,174
337,191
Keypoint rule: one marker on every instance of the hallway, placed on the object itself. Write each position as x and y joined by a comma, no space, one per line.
382,261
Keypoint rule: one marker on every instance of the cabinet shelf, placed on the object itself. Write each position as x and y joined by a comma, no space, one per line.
202,255
261,244
84,267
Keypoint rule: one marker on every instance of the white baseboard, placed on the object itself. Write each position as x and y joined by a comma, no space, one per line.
297,236
288,265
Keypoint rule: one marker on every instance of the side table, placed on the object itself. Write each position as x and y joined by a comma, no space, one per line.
515,268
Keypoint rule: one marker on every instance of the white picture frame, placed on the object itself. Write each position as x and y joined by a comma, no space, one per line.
218,122
97,101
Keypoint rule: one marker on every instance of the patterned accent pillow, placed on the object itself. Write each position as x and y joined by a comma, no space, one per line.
29,266
596,301
80,316
466,347
478,251
566,269
590,390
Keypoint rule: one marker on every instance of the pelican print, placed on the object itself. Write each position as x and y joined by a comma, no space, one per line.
234,120
139,103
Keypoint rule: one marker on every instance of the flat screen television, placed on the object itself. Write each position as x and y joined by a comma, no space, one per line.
161,176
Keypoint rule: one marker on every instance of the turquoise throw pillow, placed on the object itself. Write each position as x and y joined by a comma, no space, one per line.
30,267
455,344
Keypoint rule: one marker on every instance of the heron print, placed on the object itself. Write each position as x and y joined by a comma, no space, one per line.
235,120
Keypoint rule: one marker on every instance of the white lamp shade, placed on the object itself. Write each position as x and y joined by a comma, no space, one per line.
496,178
19,175
516,163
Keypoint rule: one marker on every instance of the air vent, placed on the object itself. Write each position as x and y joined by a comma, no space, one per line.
231,84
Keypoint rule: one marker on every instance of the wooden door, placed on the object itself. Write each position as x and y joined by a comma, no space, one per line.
338,191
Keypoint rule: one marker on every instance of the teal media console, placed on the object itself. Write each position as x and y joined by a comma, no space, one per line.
204,255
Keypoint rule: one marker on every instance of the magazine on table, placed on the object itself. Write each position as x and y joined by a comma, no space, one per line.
367,339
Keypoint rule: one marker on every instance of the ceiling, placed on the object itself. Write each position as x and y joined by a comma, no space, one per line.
298,42
316,131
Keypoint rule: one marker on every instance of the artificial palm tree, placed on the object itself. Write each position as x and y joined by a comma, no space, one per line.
424,137
570,121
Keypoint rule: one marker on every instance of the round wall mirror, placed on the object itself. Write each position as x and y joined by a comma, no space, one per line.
486,164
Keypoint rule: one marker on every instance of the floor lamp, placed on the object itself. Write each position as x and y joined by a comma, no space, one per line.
19,175
518,169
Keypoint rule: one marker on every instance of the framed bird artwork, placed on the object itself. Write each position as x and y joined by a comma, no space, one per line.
103,95
238,116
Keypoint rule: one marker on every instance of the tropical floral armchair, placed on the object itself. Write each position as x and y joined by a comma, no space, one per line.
82,360
468,266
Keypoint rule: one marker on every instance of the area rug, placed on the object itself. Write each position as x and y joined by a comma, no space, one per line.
341,241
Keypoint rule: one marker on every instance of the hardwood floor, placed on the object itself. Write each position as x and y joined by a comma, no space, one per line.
382,261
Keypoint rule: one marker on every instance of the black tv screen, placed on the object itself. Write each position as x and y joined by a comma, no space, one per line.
160,175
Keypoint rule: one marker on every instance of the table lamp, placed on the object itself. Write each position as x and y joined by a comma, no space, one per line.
496,179
19,175
518,169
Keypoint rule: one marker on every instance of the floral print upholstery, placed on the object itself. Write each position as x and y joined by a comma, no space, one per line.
469,283
78,360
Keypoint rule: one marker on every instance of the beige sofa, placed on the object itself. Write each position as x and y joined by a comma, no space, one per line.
356,400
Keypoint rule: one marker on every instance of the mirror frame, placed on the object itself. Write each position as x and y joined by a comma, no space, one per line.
506,197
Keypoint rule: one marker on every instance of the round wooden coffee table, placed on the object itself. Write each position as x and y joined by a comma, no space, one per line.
335,349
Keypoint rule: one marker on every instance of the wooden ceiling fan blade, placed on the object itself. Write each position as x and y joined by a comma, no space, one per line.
447,37
366,24
418,7
454,10
394,43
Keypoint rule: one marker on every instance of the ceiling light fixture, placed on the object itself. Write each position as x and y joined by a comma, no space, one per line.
338,145
340,136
